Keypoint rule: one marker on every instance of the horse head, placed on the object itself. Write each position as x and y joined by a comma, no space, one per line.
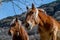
32,14
14,27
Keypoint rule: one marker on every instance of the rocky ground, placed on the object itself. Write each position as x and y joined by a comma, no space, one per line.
4,34
33,34
52,9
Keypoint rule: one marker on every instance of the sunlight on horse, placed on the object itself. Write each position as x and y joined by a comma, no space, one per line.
17,30
47,26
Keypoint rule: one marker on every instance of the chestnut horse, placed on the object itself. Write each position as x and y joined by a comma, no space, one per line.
47,26
17,31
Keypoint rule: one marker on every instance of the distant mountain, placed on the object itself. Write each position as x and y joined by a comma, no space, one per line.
52,9
6,21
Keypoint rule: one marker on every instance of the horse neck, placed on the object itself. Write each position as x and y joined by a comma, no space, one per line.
22,33
22,30
43,16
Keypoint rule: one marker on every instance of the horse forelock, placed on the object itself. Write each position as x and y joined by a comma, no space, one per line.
36,13
14,21
19,22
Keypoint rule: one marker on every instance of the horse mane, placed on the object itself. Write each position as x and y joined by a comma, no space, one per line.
42,10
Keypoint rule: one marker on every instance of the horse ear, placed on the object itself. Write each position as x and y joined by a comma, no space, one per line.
27,7
33,7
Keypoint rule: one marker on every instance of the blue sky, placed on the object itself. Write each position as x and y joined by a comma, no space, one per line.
6,8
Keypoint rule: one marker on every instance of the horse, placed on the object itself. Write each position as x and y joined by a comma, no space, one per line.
47,25
17,31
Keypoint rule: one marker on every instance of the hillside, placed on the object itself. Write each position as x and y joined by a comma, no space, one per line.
52,9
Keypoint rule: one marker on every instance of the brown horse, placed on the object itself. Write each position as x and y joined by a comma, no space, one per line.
47,26
17,31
